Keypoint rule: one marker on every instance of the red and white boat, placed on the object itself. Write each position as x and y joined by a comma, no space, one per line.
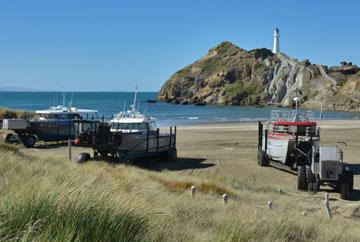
289,130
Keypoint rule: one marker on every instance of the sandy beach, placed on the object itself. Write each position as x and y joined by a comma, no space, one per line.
227,153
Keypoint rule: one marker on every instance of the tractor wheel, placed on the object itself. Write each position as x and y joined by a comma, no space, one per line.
345,191
262,160
29,141
350,178
83,157
302,184
311,180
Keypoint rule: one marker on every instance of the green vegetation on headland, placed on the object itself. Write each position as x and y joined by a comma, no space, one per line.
51,199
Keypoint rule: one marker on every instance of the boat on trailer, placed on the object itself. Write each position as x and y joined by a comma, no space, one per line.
65,113
54,124
288,128
132,121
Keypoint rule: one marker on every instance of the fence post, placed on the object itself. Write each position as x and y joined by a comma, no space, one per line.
225,198
193,190
69,147
327,205
269,204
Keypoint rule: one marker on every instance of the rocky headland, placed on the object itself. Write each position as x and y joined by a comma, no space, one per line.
229,75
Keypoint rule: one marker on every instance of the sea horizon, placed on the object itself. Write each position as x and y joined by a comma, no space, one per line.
110,103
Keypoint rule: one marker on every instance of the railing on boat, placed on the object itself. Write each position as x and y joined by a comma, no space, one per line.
289,115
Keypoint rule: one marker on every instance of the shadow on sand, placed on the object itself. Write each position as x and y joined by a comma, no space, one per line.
355,195
52,145
182,163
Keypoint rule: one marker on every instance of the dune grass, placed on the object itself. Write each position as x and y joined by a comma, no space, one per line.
50,199
9,113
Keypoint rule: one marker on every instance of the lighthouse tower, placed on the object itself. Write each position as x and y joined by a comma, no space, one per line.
276,48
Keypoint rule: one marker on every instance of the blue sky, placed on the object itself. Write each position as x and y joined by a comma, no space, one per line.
114,45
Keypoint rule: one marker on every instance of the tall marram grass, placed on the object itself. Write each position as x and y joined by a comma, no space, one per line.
46,217
50,199
39,205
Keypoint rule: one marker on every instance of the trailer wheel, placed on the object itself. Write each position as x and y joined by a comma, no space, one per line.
11,139
103,153
302,183
84,157
123,157
29,141
171,155
262,160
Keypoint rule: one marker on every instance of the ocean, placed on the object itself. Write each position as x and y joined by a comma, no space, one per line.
110,103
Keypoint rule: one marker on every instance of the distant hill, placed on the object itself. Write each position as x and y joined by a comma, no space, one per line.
229,75
15,89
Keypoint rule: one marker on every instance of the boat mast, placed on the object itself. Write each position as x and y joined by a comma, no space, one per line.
134,104
297,99
63,96
71,102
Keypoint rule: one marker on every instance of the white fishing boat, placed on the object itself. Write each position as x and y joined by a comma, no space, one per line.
62,112
66,113
132,121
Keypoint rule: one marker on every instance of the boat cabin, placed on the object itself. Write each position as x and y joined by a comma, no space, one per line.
66,113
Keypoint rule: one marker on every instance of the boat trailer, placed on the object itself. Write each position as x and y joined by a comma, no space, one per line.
124,147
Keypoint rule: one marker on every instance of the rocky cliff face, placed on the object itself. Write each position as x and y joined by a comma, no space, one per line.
231,75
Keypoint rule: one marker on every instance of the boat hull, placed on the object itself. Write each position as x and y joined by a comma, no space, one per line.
279,147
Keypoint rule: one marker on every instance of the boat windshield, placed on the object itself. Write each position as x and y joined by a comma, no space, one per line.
129,126
61,116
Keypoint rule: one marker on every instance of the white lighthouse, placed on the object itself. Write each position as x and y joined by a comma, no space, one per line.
276,48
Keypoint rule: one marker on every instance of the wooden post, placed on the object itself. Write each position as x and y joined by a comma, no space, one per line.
225,198
69,147
269,204
193,190
327,205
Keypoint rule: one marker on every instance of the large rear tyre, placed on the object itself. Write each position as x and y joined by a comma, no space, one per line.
345,191
349,175
302,183
262,159
311,180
